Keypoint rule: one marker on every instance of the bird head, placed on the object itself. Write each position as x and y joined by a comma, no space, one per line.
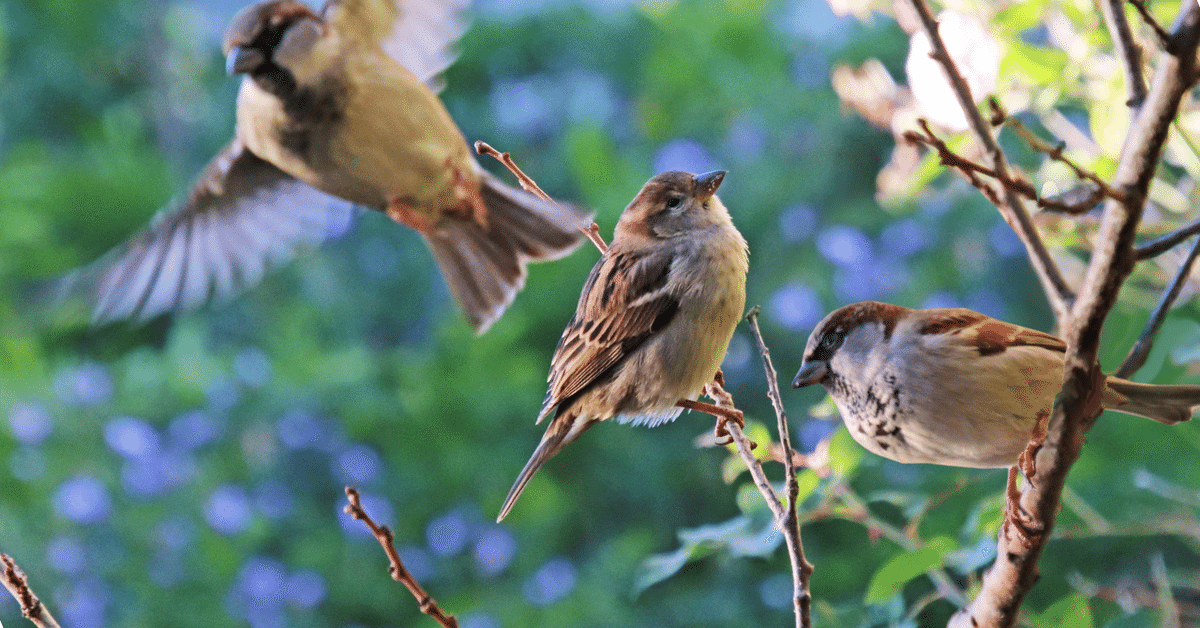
848,342
674,203
273,42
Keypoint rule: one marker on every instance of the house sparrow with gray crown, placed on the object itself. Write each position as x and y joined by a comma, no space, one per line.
952,386
335,108
655,317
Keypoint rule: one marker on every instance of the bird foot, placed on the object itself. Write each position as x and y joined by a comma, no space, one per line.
1018,521
403,211
468,201
724,415
1027,461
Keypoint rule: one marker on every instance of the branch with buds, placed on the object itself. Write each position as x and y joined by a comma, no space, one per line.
18,585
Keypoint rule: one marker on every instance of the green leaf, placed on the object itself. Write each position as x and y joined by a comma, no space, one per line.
844,453
895,573
1071,611
1039,65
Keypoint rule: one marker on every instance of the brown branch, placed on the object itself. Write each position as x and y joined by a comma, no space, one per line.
18,585
1016,568
970,169
1164,38
1164,243
802,570
1141,349
1057,291
382,534
592,231
1127,50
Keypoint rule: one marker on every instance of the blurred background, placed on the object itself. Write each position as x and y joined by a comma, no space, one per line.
189,472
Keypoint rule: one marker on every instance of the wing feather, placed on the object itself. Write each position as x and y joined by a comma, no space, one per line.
243,216
623,304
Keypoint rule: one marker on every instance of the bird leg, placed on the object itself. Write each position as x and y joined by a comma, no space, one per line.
1027,461
403,211
1016,519
468,200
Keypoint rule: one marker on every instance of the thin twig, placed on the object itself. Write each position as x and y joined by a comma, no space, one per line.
801,569
1164,38
592,231
1127,50
1164,243
1078,405
18,585
1057,291
399,573
1141,349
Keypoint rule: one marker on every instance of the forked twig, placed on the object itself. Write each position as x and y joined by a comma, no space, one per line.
1164,38
592,231
1057,291
382,534
1145,342
18,585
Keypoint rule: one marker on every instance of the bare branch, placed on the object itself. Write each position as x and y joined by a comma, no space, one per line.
1016,570
1164,38
1127,50
18,585
1057,291
1141,349
382,534
1164,243
801,569
529,185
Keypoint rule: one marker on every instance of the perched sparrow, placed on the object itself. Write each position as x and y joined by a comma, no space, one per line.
336,107
654,319
951,386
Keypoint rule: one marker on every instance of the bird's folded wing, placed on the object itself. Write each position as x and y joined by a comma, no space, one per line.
243,217
624,303
420,34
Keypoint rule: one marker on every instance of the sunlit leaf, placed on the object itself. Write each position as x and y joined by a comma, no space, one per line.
895,573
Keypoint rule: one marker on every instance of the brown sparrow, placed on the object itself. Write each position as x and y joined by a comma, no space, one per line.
654,319
951,386
334,107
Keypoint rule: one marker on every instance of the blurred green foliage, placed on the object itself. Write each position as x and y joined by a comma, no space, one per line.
189,472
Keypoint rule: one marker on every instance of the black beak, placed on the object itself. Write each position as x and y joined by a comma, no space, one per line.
242,60
707,183
811,373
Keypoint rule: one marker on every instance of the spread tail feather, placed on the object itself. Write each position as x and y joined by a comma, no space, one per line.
485,267
563,431
1166,404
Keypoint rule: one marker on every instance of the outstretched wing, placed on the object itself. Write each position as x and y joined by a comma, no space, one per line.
242,217
419,34
624,303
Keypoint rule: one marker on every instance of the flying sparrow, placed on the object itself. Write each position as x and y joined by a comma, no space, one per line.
654,319
951,386
335,107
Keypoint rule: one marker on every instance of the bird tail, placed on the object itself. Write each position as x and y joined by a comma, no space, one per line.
485,265
1166,404
563,431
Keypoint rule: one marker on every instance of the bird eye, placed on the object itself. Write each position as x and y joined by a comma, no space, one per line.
832,340
674,202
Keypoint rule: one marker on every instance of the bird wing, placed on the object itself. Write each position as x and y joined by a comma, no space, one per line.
987,335
624,303
419,34
241,217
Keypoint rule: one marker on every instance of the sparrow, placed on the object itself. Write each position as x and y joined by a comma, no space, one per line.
951,386
654,319
336,108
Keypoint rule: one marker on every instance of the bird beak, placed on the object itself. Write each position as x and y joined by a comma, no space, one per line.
242,60
811,373
707,183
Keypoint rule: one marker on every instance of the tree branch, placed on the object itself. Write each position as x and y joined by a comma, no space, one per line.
592,231
1015,571
801,569
1164,243
1141,349
382,534
1057,291
1127,50
18,585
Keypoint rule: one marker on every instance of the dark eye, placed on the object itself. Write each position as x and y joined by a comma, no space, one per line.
832,340
674,202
